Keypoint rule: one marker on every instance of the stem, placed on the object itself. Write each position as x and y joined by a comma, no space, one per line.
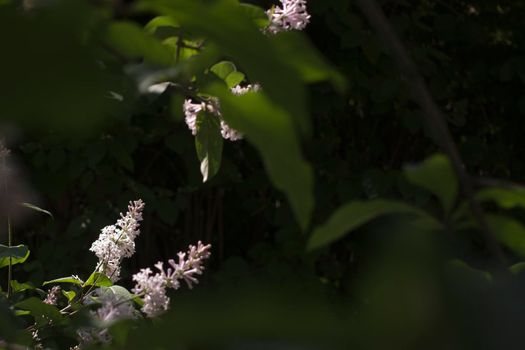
432,114
9,231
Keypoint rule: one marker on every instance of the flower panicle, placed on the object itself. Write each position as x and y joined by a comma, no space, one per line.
117,242
153,286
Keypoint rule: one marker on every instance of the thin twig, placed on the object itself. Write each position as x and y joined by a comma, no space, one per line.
431,112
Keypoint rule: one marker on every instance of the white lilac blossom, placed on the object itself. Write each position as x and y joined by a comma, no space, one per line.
292,15
152,287
113,307
118,241
192,110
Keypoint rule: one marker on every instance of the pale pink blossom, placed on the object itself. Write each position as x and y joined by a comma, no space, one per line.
153,287
292,15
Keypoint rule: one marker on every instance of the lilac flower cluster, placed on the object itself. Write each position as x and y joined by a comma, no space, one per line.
152,287
292,15
117,242
52,295
192,110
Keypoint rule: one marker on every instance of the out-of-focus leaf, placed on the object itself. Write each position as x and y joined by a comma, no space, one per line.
462,267
73,280
270,129
355,214
35,208
517,268
223,69
130,40
234,78
437,176
42,312
161,21
508,231
256,14
18,254
208,143
505,198
307,61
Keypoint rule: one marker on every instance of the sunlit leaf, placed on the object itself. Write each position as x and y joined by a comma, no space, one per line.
98,279
208,143
17,254
35,208
71,279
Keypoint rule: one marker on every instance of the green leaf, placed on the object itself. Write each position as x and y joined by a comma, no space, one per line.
234,79
508,231
307,61
158,22
35,208
71,279
460,267
505,198
223,69
208,143
437,176
130,40
271,130
42,312
18,254
518,268
355,214
122,293
256,14
70,295
20,287
98,279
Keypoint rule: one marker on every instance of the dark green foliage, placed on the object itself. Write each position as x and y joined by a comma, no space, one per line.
336,223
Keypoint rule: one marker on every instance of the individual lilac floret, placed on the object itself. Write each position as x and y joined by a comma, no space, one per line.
117,242
152,287
191,111
292,15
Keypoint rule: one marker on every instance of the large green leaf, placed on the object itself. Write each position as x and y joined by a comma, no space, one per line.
130,40
508,231
208,143
437,176
18,254
42,312
355,214
270,129
223,69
